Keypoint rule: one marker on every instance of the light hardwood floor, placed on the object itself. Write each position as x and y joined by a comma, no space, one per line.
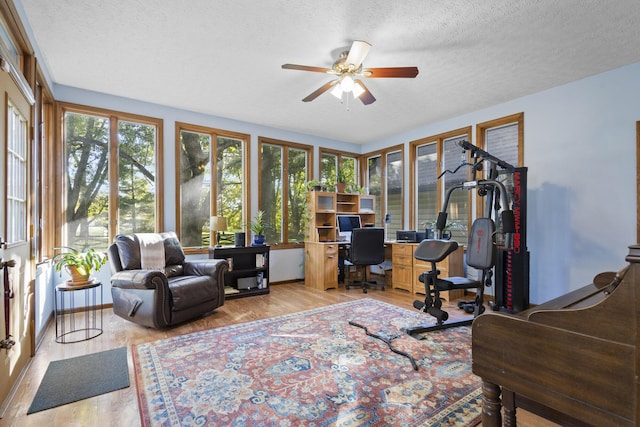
120,408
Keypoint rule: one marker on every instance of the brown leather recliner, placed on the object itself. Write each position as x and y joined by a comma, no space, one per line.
181,291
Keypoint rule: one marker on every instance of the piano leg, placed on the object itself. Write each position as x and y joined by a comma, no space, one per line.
491,405
509,404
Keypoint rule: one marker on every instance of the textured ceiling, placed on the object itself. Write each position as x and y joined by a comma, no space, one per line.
223,57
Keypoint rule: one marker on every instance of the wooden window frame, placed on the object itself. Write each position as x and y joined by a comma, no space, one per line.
340,154
214,133
481,129
285,244
439,140
114,117
364,161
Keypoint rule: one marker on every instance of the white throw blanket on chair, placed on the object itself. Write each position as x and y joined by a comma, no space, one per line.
151,251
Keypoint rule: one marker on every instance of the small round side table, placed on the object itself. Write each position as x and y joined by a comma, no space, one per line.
83,323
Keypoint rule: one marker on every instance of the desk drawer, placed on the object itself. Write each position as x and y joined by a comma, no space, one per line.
331,251
402,277
399,259
404,249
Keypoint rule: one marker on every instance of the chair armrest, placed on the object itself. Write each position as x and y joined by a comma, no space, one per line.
138,279
207,267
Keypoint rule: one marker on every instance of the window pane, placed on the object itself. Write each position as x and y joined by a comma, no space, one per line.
195,188
229,186
502,142
271,177
458,209
394,192
374,174
296,206
87,186
136,178
426,179
328,167
16,176
349,170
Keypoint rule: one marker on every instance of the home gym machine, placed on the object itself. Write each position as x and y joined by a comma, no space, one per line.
497,243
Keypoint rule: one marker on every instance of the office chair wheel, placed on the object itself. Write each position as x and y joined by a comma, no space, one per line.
364,290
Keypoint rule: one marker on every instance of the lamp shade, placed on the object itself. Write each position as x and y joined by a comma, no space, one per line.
218,223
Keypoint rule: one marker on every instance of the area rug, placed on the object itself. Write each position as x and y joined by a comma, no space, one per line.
77,378
310,368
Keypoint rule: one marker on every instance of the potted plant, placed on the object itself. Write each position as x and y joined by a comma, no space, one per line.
79,264
257,227
341,180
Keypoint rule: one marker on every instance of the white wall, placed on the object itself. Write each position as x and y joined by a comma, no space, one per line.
579,148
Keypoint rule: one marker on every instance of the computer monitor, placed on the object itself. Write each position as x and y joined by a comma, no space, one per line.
346,223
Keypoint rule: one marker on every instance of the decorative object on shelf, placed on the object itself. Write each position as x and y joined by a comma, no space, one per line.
341,181
79,264
315,185
239,239
217,224
257,227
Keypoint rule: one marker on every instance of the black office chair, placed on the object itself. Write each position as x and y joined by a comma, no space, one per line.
367,248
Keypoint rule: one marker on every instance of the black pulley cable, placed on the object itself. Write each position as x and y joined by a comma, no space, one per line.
388,342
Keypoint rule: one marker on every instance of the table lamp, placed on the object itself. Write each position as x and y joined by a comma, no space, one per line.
217,224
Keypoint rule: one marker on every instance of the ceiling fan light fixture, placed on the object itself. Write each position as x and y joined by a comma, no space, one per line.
337,91
357,90
347,83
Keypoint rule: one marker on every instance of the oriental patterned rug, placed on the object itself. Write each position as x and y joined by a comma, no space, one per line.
311,368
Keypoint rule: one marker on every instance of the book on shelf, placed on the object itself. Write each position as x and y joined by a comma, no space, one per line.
228,290
259,260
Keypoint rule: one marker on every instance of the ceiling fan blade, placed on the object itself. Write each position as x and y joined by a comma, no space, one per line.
357,53
409,72
306,68
366,97
321,90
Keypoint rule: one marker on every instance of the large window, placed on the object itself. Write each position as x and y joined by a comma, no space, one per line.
430,157
385,178
17,143
503,138
333,161
284,167
112,176
213,182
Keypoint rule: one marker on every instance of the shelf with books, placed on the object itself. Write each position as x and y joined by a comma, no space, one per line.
248,269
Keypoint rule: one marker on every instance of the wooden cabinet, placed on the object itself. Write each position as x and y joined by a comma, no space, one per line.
407,270
322,216
248,269
402,266
357,204
321,265
321,247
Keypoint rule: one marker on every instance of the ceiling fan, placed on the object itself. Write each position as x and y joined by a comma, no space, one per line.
348,69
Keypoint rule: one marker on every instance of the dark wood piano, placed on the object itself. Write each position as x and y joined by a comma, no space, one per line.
573,360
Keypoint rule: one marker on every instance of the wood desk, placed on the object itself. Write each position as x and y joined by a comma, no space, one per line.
407,270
